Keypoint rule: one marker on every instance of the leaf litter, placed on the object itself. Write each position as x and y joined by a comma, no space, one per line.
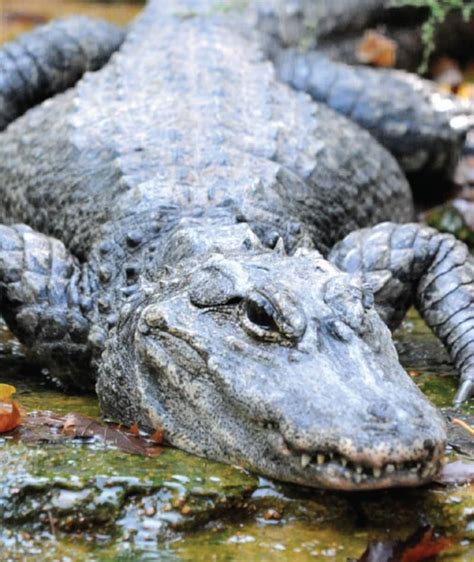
46,426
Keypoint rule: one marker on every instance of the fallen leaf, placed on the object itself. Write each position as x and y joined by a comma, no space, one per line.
134,430
10,415
457,472
421,545
462,424
37,427
376,49
427,547
83,427
158,436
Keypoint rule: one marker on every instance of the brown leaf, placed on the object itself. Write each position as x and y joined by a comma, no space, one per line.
427,547
40,427
158,436
134,430
421,545
456,472
377,49
83,427
48,427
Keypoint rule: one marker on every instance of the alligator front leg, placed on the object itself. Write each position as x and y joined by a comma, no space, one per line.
51,59
414,264
45,297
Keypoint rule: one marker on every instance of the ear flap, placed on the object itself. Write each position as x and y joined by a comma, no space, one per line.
218,283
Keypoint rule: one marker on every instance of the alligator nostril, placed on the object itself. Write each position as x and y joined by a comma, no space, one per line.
429,445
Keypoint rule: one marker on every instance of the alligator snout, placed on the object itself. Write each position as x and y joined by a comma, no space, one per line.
284,366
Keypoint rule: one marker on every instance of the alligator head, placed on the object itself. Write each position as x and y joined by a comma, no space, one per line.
276,363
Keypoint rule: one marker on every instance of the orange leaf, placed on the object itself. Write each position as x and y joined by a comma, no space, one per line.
428,547
134,429
10,416
377,49
6,392
158,436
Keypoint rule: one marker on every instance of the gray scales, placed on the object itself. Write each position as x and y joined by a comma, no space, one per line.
180,248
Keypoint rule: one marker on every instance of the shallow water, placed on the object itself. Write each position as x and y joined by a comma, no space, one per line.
86,502
83,502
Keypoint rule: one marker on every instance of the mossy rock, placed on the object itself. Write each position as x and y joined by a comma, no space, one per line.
73,488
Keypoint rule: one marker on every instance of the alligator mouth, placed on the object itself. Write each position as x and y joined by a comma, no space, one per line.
340,472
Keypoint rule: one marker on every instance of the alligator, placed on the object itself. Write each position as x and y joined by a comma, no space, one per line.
210,250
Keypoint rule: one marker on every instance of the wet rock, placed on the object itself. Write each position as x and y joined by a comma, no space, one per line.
77,488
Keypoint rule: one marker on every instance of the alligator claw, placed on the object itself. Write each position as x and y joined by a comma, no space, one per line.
465,391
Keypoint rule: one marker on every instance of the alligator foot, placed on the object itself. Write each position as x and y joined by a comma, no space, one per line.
44,299
51,59
415,264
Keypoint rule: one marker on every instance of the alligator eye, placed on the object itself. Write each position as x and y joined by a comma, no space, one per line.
261,315
258,317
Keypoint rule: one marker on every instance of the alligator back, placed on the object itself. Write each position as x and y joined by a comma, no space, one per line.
187,114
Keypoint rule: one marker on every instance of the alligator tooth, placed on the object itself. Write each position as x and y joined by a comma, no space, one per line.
377,472
344,462
331,455
418,466
305,460
414,470
358,469
321,459
389,468
357,478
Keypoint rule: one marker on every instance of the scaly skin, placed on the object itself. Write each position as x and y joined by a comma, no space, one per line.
50,59
424,129
189,193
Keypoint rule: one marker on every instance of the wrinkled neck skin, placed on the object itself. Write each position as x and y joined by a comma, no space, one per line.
278,363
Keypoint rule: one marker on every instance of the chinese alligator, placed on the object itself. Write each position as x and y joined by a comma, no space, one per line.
199,241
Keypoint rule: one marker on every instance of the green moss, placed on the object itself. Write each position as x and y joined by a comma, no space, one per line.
446,218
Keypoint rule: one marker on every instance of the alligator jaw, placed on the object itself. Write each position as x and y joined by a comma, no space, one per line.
337,471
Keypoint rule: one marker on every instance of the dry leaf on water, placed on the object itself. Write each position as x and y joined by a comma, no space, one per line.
83,427
39,427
